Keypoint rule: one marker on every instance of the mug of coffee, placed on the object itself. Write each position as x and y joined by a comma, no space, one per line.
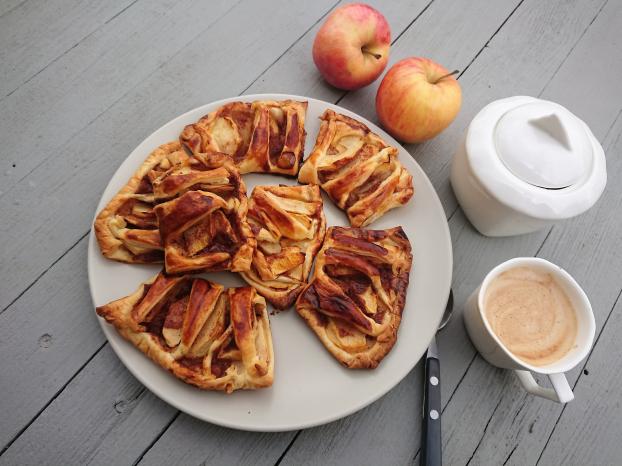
530,315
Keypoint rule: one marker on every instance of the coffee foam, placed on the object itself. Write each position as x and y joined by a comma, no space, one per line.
531,314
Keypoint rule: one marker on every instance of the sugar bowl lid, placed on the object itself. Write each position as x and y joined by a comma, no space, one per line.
537,157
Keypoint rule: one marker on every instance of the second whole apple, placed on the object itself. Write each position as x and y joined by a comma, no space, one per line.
417,99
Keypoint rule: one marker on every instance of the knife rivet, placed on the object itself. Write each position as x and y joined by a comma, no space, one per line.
434,414
433,380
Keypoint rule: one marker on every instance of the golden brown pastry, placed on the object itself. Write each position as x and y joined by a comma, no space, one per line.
213,172
127,229
205,335
289,226
202,231
263,136
358,170
355,299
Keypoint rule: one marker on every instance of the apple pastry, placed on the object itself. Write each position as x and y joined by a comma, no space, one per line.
358,170
289,226
204,232
355,299
263,136
127,228
205,335
214,172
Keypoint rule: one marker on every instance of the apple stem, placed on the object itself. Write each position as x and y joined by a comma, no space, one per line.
377,56
447,75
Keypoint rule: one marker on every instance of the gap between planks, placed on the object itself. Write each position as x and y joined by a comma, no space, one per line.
261,74
539,248
61,55
51,400
535,255
83,236
581,374
338,100
113,103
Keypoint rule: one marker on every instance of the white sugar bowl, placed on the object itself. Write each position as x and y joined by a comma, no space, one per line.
524,164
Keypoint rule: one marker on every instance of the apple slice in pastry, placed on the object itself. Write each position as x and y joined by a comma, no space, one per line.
355,299
127,228
289,226
207,336
358,170
202,231
262,136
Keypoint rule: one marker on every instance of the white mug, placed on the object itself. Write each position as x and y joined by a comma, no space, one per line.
495,352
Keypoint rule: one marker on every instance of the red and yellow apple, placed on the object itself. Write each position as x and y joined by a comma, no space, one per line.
351,48
417,99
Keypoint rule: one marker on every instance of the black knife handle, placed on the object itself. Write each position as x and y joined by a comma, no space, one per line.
431,433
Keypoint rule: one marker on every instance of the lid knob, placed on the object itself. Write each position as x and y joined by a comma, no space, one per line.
552,125
543,144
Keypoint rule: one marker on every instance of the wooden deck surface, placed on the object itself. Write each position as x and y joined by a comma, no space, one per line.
83,83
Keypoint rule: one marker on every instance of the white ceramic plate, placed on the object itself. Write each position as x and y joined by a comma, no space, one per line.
310,387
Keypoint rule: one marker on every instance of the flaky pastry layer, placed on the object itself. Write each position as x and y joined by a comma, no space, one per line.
262,136
289,226
205,335
358,170
355,299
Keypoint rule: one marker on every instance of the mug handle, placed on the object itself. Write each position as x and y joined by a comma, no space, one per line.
561,391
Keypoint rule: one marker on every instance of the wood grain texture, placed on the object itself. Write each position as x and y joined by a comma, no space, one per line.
45,338
86,106
34,34
83,165
124,418
510,426
90,77
69,352
507,54
197,442
6,6
589,432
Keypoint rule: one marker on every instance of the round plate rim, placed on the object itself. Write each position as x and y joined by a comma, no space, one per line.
171,400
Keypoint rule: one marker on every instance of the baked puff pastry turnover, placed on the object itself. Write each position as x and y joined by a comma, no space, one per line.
358,170
355,299
202,231
127,228
263,136
289,226
205,335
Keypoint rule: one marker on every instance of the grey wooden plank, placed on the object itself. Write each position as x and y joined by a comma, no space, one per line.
45,338
526,60
68,305
34,34
517,426
64,189
589,432
124,418
588,247
407,392
90,77
77,358
507,54
197,442
306,80
411,376
6,6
